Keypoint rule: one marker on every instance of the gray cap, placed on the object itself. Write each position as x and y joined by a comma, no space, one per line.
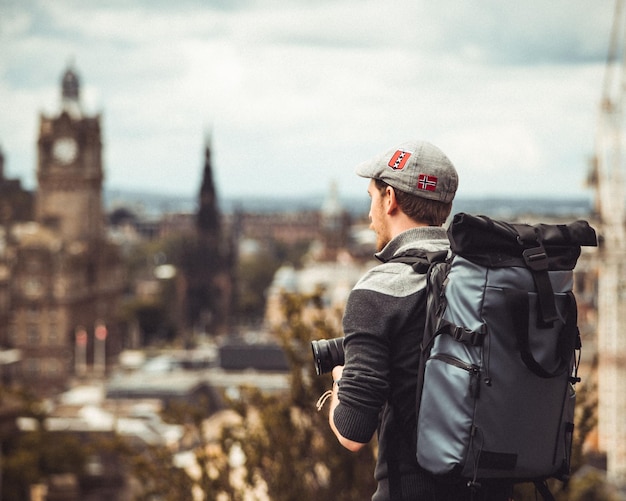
415,167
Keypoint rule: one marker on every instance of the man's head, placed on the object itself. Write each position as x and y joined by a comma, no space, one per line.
416,168
415,177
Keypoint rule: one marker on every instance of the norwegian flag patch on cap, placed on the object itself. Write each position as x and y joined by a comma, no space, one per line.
426,182
399,159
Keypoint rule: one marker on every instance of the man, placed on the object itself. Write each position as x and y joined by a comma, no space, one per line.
411,189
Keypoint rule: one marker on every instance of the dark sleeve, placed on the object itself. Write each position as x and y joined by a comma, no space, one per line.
369,318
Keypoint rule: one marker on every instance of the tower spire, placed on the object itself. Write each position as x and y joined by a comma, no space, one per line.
70,92
208,218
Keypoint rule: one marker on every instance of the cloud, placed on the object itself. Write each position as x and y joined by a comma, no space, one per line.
523,33
297,93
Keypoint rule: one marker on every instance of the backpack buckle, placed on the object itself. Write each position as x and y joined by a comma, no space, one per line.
467,336
536,258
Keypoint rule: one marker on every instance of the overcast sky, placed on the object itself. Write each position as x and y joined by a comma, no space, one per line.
295,93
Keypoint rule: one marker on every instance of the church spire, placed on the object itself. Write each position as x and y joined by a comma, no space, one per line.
208,218
70,92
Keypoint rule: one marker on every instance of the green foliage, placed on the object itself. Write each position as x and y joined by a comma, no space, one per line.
29,457
157,478
586,420
291,253
155,316
255,273
254,276
275,445
288,447
591,485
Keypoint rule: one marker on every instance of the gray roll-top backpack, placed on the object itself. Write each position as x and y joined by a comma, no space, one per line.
499,357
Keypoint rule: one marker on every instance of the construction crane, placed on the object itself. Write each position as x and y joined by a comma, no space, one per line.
607,178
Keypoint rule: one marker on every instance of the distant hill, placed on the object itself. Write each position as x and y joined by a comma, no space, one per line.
508,208
154,204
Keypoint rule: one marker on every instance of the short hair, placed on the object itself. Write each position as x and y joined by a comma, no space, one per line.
421,210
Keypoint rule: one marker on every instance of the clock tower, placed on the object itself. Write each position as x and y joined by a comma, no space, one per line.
67,278
69,168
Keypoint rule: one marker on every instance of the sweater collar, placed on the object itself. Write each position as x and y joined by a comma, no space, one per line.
428,237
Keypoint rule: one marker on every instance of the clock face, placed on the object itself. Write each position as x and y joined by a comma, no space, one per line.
65,150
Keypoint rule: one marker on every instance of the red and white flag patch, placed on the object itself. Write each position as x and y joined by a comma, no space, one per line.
426,182
399,159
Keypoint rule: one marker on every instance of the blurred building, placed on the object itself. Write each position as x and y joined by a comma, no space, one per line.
333,265
208,262
607,179
60,277
289,227
16,203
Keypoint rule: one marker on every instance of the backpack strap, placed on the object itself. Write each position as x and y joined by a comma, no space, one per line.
543,489
420,260
569,337
536,259
462,334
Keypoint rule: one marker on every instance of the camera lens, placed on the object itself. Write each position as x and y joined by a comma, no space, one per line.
327,353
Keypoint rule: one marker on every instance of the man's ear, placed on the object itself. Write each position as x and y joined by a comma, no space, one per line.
391,204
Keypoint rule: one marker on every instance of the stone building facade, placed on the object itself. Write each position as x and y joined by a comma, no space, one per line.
64,279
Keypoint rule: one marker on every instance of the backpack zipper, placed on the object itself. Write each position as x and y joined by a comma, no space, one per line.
472,369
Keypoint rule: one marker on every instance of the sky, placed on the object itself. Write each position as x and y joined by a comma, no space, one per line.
293,94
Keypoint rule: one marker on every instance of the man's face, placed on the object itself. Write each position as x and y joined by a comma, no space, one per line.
378,215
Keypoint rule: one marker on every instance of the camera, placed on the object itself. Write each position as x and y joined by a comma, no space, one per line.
327,353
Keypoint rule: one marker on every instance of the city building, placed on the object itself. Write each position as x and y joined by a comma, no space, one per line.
207,264
61,278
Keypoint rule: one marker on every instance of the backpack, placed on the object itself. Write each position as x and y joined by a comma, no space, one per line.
498,363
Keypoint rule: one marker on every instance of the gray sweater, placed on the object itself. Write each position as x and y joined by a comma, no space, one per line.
383,325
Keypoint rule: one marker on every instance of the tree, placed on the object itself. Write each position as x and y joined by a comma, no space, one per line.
255,273
156,477
31,457
282,448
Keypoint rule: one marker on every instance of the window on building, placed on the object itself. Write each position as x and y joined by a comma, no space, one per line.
32,334
53,334
32,367
53,328
4,301
13,333
54,367
32,313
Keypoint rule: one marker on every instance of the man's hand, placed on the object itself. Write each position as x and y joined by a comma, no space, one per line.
351,445
337,372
